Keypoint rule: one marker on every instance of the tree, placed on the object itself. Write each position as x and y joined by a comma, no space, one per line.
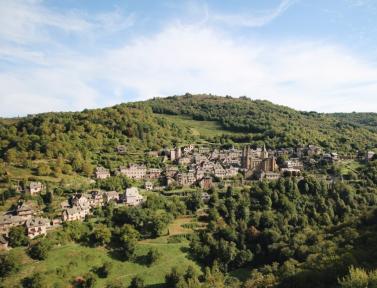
48,198
358,278
152,256
9,263
17,237
101,235
194,201
38,280
173,278
125,240
90,280
77,162
105,269
87,168
39,251
43,169
137,282
11,155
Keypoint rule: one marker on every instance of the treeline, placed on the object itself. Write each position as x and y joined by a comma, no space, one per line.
74,142
278,126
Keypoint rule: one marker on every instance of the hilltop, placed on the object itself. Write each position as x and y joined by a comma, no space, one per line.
160,122
277,126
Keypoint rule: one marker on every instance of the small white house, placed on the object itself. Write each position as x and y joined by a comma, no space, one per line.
148,185
132,197
35,188
37,226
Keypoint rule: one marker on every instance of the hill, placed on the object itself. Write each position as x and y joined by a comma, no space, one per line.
277,126
76,141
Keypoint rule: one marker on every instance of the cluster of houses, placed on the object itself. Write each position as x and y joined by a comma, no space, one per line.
76,208
185,166
25,215
190,165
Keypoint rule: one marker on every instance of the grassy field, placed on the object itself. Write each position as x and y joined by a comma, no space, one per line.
68,262
198,128
72,181
348,165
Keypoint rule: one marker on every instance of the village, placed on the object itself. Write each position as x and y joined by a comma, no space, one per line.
188,166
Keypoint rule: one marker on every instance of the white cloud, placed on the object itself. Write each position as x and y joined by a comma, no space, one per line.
307,75
253,19
29,22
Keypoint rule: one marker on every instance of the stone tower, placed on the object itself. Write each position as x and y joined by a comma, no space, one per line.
264,154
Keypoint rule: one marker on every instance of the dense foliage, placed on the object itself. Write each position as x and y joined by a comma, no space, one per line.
293,233
262,121
73,142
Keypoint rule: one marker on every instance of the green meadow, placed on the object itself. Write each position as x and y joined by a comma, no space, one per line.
71,261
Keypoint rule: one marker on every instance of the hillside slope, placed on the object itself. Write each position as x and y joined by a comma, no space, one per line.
142,126
274,124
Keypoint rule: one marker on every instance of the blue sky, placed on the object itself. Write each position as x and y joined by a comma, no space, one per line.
70,55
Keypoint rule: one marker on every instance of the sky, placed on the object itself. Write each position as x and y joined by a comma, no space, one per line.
312,55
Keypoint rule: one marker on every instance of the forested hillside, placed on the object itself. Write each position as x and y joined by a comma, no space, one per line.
278,126
83,138
90,132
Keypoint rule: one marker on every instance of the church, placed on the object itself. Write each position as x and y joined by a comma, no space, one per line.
258,160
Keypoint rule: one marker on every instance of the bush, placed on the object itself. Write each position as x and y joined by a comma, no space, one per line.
137,282
104,270
152,256
39,251
9,264
17,237
35,281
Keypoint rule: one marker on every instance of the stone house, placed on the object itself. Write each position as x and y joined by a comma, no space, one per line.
171,171
184,161
269,175
8,221
152,153
203,150
74,213
81,201
36,227
231,172
290,172
219,171
134,171
35,188
95,198
111,196
313,150
206,183
185,179
208,166
25,210
199,174
132,197
102,173
198,158
154,173
294,163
